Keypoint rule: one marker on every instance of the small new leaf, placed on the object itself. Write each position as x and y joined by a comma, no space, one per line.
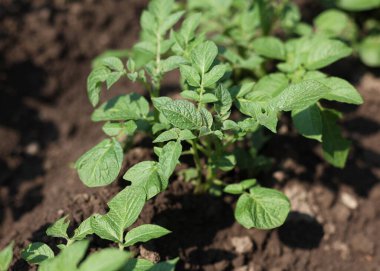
35,253
59,228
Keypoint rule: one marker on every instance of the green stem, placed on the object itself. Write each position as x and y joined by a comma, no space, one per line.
197,160
121,246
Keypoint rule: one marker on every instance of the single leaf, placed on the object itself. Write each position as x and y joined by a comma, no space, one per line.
191,75
335,147
270,47
300,95
165,266
326,52
172,134
170,21
101,165
67,259
59,228
113,63
6,256
94,83
341,91
144,233
207,119
225,162
186,135
358,5
128,204
204,55
268,86
208,98
190,95
168,159
108,227
182,114
308,122
35,253
214,75
171,63
109,259
123,107
238,188
369,50
263,208
137,265
84,229
263,112
224,103
145,174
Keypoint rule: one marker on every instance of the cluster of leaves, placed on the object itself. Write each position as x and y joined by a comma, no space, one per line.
345,20
229,97
124,210
237,77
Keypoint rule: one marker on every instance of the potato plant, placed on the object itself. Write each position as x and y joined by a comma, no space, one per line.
124,210
237,77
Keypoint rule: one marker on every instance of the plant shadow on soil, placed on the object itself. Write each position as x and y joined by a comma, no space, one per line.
24,84
194,220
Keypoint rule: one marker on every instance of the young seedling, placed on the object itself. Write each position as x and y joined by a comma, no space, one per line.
110,259
125,208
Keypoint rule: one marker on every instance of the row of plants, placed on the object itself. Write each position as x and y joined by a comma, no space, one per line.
242,64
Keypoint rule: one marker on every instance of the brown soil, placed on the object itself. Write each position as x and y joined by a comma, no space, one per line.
46,49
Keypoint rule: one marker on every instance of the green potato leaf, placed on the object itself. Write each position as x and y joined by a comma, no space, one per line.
341,91
358,5
144,233
369,51
59,228
300,95
324,52
335,147
214,75
101,165
6,256
182,114
145,174
109,259
204,55
84,229
35,253
123,107
308,122
270,47
168,159
262,208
